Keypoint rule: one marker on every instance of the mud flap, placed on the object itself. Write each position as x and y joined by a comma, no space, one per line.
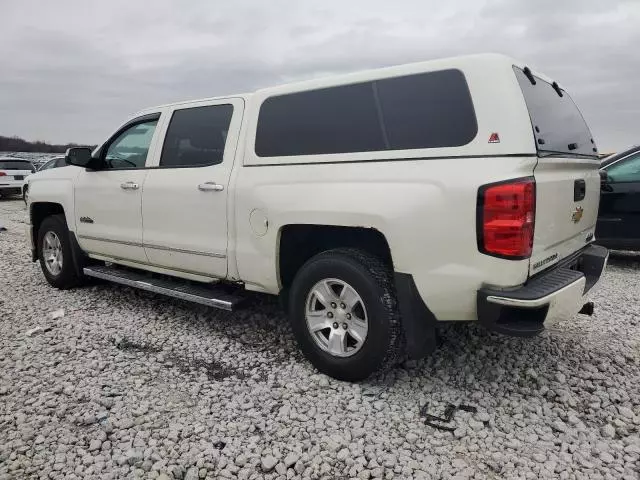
418,321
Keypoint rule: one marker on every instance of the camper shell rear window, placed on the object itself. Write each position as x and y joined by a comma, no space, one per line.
558,125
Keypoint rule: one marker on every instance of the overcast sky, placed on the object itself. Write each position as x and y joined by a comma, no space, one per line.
72,71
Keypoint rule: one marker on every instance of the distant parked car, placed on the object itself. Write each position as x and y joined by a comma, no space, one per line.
53,163
13,172
619,215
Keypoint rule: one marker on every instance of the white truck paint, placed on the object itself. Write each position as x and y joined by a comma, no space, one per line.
224,222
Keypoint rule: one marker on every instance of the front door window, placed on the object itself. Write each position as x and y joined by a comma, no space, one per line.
130,148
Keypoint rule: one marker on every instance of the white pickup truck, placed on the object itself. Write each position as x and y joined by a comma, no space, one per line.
376,204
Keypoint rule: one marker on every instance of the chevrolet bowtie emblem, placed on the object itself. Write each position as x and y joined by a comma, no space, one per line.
576,215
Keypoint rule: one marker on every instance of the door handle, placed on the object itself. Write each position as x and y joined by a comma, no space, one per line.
210,187
129,186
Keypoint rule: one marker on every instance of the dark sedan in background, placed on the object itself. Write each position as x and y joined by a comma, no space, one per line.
619,215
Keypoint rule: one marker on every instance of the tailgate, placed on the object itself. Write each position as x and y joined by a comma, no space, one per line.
567,199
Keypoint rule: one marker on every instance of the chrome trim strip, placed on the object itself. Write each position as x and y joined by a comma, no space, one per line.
180,250
141,266
155,247
109,240
211,302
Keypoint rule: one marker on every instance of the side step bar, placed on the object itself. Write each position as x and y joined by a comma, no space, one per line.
212,296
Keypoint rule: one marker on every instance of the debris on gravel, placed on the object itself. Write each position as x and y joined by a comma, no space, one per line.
134,385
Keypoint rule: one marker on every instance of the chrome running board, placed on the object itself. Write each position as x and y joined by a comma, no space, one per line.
210,295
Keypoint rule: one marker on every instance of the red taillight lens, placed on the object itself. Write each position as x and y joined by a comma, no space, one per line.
507,213
2,174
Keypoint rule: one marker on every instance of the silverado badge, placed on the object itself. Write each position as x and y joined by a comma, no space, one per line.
577,214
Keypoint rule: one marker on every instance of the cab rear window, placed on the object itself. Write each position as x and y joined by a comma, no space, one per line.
558,125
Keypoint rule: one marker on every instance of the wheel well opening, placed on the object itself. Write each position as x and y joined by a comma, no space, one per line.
298,243
40,211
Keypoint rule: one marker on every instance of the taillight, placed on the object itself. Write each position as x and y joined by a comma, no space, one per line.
2,174
506,214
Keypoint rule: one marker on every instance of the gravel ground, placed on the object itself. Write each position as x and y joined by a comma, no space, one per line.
131,385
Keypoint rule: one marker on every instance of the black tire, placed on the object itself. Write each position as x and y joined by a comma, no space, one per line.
67,277
384,344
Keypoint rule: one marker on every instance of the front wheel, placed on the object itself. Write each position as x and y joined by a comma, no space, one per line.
54,251
344,314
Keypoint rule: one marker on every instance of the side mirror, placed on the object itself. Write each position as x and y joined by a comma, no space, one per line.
603,176
604,181
78,156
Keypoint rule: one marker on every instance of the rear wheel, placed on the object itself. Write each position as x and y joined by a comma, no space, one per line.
54,251
344,314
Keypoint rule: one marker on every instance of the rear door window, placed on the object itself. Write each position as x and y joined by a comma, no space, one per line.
427,110
558,125
196,136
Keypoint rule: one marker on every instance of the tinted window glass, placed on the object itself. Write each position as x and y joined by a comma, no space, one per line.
427,111
617,156
15,165
627,170
130,148
417,111
196,136
558,124
331,120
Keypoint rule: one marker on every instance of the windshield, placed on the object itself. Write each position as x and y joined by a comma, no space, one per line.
15,165
558,125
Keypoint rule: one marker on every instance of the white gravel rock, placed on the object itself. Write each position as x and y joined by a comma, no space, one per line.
626,412
131,384
411,438
291,459
608,431
95,445
268,463
192,474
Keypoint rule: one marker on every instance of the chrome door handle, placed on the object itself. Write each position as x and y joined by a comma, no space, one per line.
129,186
210,187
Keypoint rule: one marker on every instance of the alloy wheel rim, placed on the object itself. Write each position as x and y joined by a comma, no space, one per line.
52,253
336,317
